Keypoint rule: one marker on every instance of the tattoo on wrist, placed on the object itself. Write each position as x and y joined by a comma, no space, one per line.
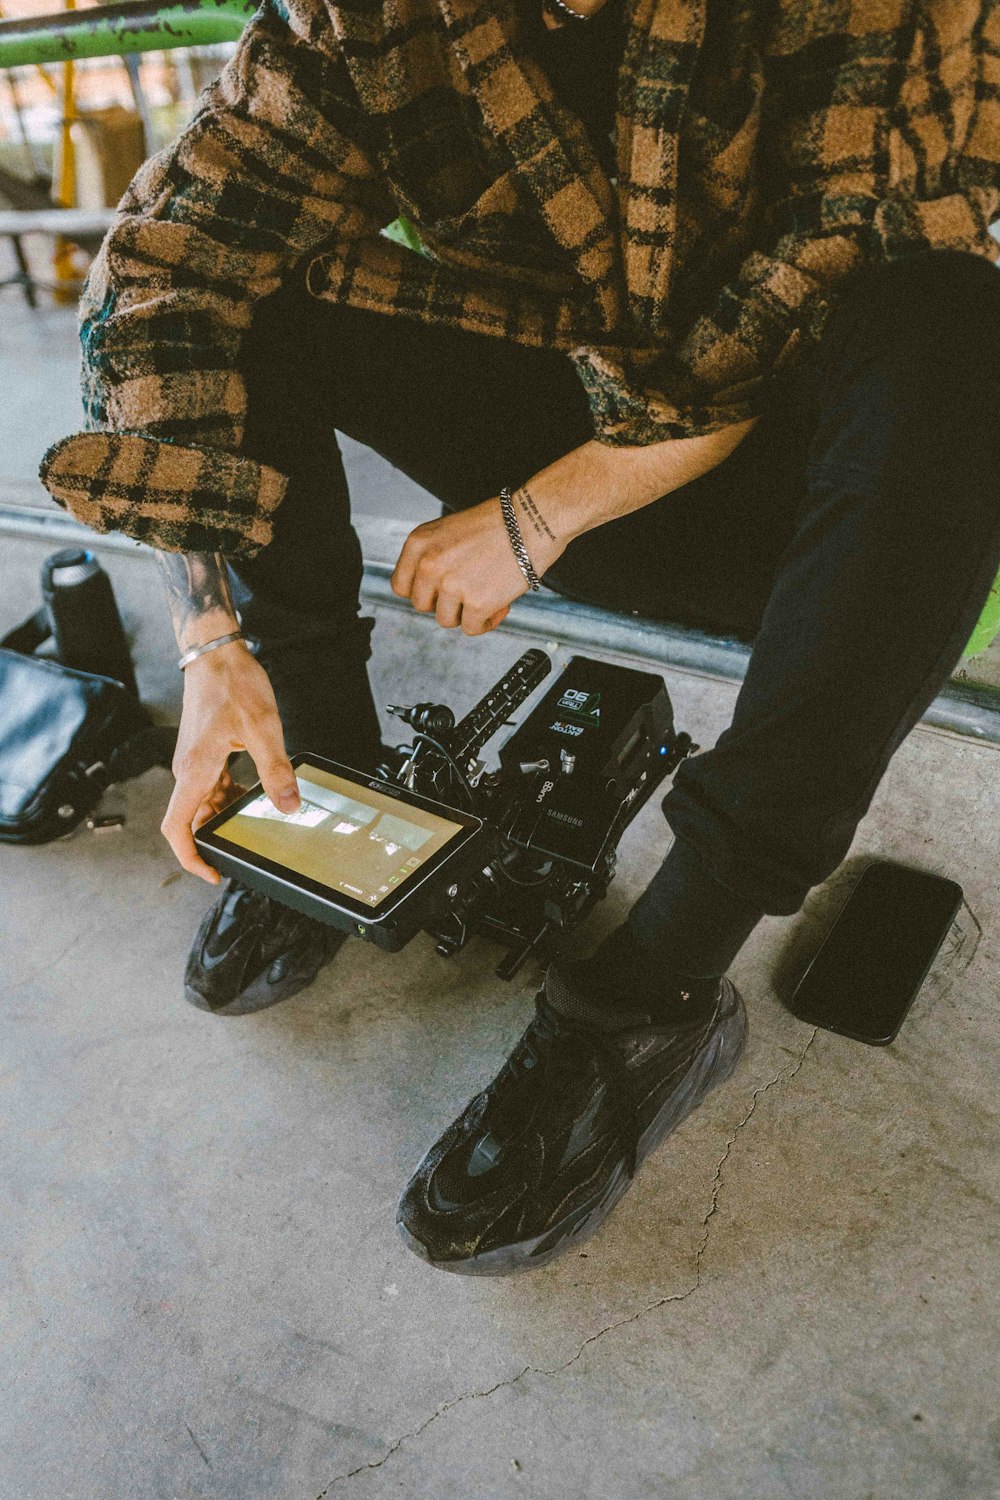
197,592
533,514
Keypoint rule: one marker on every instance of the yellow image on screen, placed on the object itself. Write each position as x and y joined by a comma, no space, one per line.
348,837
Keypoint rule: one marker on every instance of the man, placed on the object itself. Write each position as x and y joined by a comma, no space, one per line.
709,289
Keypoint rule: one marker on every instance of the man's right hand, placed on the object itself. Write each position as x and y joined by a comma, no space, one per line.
228,705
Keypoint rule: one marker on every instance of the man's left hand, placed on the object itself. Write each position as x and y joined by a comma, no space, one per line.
461,568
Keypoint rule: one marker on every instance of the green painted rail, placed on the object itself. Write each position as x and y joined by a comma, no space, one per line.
117,30
988,625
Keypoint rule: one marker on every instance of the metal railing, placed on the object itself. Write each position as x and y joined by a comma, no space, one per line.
119,30
970,710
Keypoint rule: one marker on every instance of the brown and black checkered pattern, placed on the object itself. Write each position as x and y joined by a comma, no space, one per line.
131,483
763,151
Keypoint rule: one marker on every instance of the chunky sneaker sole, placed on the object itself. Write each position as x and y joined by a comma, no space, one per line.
711,1066
261,955
284,978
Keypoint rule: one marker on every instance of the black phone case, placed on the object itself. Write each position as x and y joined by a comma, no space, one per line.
799,1003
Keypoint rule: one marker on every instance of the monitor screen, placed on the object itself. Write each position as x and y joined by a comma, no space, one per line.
350,838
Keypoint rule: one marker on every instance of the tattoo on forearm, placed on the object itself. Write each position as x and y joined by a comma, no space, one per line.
197,586
533,513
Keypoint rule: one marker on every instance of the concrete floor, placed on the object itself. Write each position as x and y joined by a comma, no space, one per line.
204,1295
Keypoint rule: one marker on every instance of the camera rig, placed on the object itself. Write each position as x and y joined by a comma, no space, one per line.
570,779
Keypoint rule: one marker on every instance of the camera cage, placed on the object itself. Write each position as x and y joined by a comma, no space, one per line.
540,831
570,780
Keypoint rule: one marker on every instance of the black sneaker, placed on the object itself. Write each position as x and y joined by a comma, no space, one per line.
540,1158
251,952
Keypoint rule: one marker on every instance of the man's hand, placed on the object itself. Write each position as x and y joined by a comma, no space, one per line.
461,568
228,705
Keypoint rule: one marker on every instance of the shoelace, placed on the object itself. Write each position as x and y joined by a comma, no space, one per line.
590,1047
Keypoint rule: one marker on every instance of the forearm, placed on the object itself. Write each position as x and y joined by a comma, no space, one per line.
462,566
201,605
228,706
597,483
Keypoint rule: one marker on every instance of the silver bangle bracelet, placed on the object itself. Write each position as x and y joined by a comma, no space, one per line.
196,651
516,540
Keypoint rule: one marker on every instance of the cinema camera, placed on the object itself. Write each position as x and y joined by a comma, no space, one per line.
436,842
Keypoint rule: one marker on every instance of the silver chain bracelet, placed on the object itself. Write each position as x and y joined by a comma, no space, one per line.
516,540
560,8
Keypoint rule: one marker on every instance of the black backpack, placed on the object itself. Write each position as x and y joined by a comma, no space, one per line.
65,736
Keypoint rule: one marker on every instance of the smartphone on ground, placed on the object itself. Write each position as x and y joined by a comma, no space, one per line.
877,954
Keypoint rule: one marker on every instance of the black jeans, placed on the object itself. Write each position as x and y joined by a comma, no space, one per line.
852,537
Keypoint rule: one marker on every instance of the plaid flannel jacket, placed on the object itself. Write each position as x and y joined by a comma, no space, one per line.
764,149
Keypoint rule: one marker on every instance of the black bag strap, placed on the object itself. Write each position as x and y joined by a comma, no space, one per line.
29,635
152,746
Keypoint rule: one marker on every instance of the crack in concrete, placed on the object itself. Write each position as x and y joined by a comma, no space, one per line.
785,1076
49,963
758,1094
204,1456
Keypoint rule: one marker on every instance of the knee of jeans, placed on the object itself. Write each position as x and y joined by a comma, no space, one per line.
904,434
942,302
339,643
273,348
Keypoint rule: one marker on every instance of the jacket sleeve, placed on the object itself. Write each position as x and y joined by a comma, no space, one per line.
869,150
269,171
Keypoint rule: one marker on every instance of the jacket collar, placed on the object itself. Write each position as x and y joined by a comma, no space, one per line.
619,239
553,159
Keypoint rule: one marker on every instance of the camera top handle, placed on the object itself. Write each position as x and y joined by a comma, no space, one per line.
494,710
458,745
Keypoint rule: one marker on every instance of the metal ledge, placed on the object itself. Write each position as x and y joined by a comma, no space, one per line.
118,30
972,712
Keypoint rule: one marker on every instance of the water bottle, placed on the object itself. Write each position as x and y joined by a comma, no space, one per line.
83,616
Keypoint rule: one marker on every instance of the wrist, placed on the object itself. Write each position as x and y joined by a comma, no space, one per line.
542,542
568,496
516,538
597,482
203,627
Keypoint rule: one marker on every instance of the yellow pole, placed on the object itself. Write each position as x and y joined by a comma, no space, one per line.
63,261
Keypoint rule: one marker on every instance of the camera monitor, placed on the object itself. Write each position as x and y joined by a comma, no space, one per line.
367,856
